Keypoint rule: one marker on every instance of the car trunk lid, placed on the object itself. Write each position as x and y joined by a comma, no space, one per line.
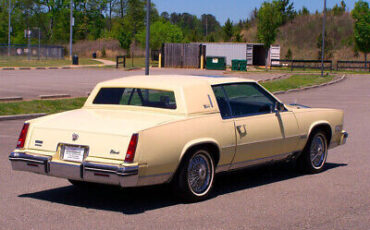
106,133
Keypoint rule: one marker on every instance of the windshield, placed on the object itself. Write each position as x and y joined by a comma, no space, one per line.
137,97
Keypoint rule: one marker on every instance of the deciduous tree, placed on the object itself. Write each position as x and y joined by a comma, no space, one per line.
361,15
161,32
269,20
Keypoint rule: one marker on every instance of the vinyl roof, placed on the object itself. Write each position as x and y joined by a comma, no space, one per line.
171,81
194,94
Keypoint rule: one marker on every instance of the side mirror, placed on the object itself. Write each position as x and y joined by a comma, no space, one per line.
279,107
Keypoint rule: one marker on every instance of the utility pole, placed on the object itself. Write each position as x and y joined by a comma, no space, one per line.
323,40
71,31
29,42
39,44
9,25
147,44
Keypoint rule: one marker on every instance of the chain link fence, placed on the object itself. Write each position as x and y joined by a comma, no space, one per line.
32,52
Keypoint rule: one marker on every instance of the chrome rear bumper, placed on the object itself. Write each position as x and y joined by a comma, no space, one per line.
124,176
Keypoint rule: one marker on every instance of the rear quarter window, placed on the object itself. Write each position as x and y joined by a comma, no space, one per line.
136,97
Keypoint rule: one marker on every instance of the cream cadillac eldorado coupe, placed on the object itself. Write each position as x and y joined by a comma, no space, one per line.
142,130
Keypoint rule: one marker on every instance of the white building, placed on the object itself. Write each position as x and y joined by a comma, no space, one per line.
254,53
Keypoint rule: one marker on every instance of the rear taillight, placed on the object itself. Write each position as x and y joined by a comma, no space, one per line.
22,136
130,154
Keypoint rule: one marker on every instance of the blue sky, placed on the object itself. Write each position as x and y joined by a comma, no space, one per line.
234,9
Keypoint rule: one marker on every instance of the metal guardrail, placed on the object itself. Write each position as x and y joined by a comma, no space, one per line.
123,62
301,64
353,65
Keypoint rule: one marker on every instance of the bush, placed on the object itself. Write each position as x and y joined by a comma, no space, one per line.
103,53
289,54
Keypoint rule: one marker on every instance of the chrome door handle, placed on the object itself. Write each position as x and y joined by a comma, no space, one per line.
242,130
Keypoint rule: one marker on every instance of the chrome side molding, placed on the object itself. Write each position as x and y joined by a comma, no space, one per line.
249,163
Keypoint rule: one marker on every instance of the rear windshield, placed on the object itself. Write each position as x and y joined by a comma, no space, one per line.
136,96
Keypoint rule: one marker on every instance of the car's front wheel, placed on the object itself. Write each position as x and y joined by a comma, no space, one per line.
196,175
315,153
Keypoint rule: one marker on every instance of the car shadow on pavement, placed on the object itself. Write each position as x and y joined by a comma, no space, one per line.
139,200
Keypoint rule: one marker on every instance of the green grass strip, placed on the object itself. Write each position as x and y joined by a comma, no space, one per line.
17,62
40,106
296,81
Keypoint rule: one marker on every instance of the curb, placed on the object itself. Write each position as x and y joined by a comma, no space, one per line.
134,69
21,116
53,96
51,67
6,99
311,87
273,79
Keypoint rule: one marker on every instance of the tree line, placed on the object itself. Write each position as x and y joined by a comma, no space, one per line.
119,19
276,13
124,20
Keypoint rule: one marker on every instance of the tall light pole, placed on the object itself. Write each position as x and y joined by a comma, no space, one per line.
323,40
147,44
9,25
71,31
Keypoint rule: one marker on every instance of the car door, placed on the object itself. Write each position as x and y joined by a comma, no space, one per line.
260,131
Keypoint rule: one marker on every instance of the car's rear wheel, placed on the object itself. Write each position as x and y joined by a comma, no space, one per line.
196,175
315,153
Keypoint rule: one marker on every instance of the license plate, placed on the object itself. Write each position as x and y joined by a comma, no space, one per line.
73,153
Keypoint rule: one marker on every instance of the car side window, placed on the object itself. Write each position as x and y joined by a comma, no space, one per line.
247,99
223,105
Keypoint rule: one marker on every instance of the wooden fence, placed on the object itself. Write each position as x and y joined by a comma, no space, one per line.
179,55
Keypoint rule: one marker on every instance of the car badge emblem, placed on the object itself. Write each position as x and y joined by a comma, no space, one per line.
74,137
114,152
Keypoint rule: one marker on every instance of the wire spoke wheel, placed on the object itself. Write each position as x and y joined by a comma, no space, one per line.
318,151
314,155
200,173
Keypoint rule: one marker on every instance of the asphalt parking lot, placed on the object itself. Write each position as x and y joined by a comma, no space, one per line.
274,197
29,84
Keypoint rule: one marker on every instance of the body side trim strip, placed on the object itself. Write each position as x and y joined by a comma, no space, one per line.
243,164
